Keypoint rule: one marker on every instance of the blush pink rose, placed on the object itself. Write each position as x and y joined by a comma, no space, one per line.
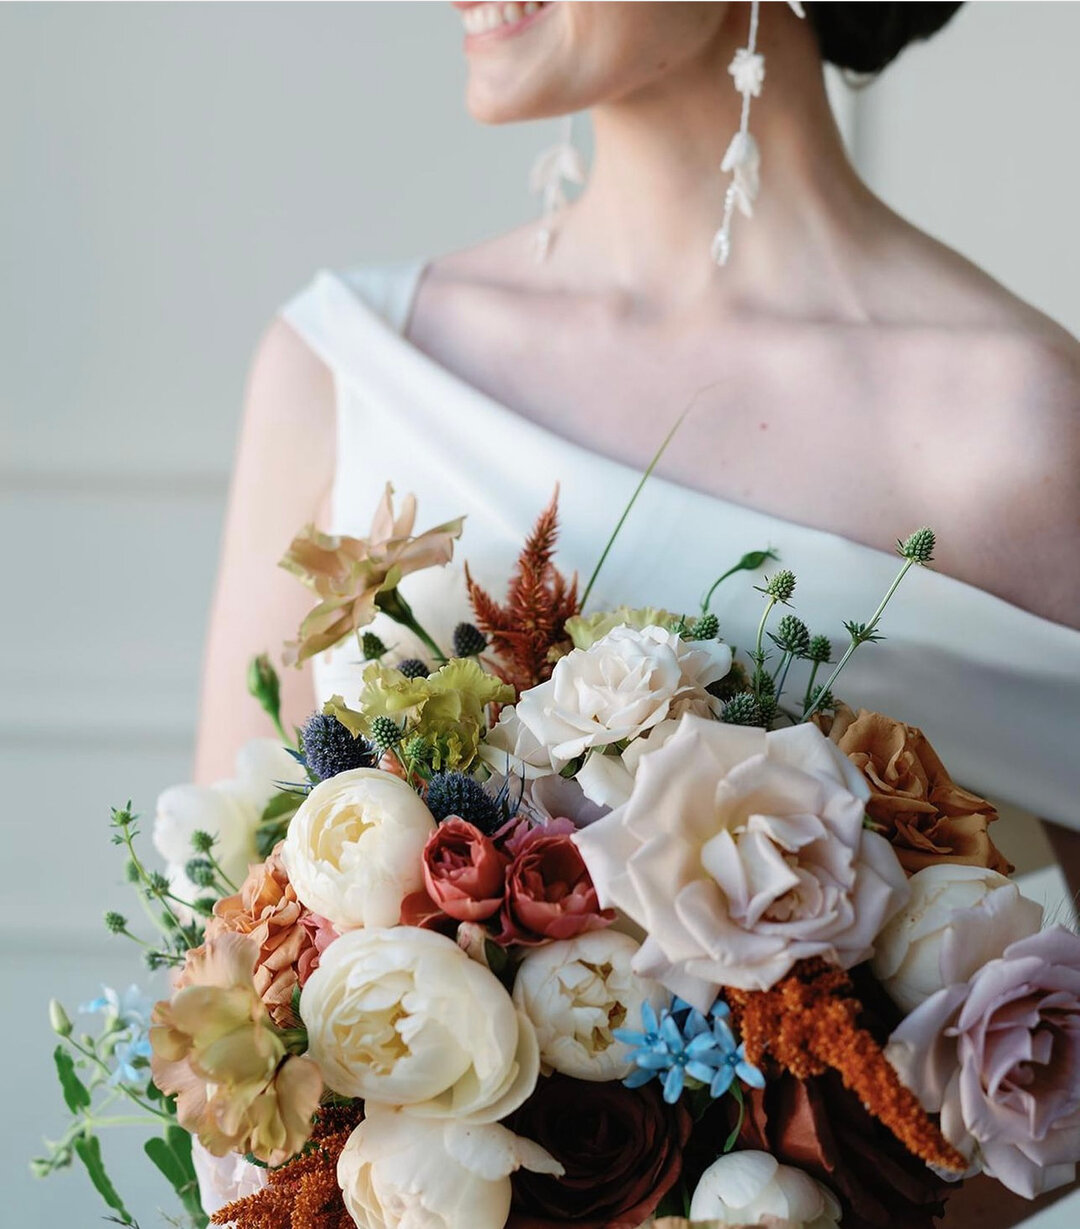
463,871
999,1058
549,892
322,934
740,853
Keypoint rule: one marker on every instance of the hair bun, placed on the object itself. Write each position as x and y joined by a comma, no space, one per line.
867,37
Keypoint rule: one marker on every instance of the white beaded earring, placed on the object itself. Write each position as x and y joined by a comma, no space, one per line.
743,158
561,164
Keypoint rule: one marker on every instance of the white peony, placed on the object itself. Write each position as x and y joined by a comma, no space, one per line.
398,1172
753,1188
616,690
353,850
957,919
229,810
403,1016
575,992
740,853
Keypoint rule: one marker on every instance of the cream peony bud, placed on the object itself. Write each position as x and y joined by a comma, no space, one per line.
402,1016
576,992
957,919
753,1188
398,1172
353,850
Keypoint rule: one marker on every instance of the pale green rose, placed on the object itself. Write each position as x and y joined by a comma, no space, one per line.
586,630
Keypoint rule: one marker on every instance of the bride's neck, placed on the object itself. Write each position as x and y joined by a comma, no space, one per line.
655,194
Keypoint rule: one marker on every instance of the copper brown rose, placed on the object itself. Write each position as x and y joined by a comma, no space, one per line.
621,1149
923,812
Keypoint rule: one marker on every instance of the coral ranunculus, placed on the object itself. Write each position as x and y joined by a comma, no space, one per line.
928,818
621,1150
549,892
463,871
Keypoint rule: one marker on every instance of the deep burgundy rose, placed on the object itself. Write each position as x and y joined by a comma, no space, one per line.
549,892
463,871
621,1149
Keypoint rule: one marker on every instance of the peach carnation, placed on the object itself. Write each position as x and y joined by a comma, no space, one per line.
267,910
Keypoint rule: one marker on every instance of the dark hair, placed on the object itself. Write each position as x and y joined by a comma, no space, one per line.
866,37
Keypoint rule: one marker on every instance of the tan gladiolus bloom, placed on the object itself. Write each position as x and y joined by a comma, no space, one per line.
215,1050
348,574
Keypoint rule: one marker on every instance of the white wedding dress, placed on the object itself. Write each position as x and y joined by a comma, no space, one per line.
995,688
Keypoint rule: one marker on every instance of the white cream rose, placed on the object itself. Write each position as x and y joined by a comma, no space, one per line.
353,850
398,1172
957,919
228,810
740,853
575,992
403,1016
616,690
753,1188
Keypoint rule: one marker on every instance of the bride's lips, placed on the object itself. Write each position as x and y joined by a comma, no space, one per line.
486,23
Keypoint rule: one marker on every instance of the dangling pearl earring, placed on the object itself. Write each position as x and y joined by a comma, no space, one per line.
743,158
560,164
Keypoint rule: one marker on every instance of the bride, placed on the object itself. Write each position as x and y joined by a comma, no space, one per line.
849,379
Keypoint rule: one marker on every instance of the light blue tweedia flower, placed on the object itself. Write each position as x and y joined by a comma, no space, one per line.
683,1043
127,1021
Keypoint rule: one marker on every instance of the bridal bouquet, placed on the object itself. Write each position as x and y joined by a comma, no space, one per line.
586,919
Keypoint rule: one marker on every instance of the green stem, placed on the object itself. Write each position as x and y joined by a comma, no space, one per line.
748,563
394,604
856,641
145,878
633,499
120,1088
810,685
781,678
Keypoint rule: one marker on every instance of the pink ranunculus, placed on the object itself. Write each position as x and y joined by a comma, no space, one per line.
549,893
999,1058
463,871
740,853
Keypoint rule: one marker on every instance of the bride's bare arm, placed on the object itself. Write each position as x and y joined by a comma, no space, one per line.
281,480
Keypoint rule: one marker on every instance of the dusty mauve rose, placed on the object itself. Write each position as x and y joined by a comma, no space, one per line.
928,818
267,910
463,871
999,1058
322,934
549,892
621,1150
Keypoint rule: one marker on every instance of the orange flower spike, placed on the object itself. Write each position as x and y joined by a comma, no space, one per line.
807,1024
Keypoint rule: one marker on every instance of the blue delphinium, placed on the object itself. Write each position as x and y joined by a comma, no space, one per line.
683,1043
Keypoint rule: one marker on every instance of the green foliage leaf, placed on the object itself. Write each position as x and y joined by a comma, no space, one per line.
282,806
76,1094
88,1148
172,1156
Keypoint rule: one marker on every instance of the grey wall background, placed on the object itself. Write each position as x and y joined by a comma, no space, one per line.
169,174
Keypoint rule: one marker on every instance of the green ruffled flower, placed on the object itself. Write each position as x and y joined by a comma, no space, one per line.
446,709
586,630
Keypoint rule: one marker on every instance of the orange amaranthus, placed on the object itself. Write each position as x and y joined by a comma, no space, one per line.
807,1023
524,630
303,1193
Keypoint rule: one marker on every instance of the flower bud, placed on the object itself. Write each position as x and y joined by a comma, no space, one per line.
919,547
263,684
58,1019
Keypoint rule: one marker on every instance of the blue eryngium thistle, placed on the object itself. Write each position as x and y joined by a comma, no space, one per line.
329,748
792,636
413,668
684,1044
371,646
469,640
456,793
